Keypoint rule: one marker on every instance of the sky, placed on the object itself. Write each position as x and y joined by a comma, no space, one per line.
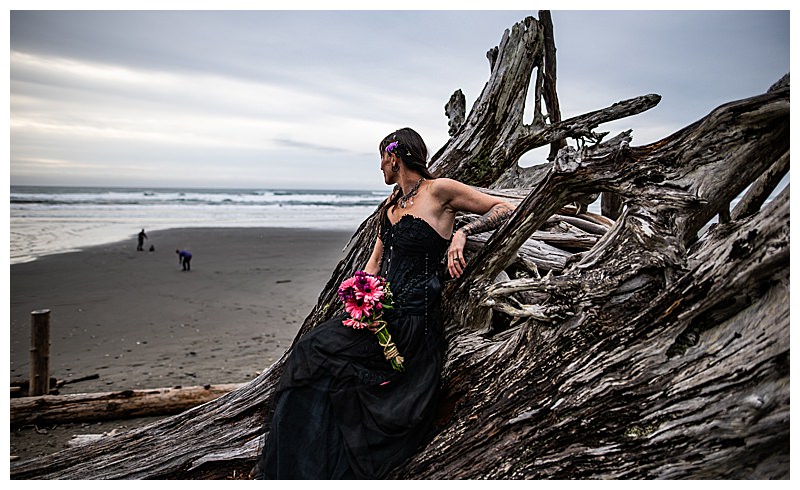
299,99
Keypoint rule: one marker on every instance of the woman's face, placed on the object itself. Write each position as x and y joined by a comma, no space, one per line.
389,176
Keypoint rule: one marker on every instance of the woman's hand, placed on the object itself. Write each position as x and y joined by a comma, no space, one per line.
455,254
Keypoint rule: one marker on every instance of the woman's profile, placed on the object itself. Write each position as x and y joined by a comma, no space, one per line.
341,411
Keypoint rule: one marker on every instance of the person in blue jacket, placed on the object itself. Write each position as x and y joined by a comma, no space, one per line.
184,259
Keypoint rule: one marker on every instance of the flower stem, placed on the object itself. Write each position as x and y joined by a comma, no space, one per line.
390,351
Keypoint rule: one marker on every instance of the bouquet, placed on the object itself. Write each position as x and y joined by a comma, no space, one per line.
365,297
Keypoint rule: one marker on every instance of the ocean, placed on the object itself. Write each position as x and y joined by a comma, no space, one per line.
49,220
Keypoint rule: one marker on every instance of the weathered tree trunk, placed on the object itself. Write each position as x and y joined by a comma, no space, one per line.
578,347
654,355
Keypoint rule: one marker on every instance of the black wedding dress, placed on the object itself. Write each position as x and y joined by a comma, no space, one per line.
341,412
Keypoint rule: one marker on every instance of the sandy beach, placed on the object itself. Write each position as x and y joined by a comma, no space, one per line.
135,320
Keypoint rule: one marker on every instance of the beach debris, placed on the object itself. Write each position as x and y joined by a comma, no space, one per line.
117,405
80,439
78,380
21,387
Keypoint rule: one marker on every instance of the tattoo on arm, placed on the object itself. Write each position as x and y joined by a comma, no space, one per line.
489,221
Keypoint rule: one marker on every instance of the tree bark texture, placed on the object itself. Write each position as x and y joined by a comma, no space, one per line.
578,346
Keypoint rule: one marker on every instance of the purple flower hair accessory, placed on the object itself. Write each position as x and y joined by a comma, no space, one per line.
391,147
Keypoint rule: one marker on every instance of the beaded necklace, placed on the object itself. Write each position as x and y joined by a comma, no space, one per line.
408,199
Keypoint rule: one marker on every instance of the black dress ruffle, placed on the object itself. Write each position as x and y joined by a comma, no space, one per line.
341,412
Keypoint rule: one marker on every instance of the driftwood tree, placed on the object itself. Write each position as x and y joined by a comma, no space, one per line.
579,347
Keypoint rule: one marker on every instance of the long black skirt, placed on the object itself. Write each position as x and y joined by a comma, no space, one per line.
342,412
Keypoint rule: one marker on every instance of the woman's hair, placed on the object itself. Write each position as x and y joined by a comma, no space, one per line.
407,145
410,148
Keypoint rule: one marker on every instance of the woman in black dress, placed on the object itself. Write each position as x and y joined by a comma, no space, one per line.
341,411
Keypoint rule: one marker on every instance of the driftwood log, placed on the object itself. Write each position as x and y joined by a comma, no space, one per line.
655,345
117,405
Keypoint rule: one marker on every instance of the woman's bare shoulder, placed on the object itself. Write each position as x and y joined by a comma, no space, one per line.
458,196
446,187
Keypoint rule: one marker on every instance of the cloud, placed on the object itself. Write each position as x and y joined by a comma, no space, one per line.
301,98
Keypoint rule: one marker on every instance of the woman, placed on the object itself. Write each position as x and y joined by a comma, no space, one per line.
341,410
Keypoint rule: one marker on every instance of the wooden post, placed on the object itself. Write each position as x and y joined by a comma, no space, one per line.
40,353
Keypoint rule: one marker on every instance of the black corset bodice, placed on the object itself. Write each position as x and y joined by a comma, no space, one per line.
412,250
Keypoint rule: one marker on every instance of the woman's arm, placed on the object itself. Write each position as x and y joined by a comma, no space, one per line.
374,263
461,197
492,219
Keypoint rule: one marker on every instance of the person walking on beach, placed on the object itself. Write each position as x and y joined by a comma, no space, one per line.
341,410
142,236
184,259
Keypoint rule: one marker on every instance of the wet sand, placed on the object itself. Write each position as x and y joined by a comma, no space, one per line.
136,320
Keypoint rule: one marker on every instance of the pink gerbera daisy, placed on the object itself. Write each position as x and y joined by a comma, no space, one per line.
354,323
357,309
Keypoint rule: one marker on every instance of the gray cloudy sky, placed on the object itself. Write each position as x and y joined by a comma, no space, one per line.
300,99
